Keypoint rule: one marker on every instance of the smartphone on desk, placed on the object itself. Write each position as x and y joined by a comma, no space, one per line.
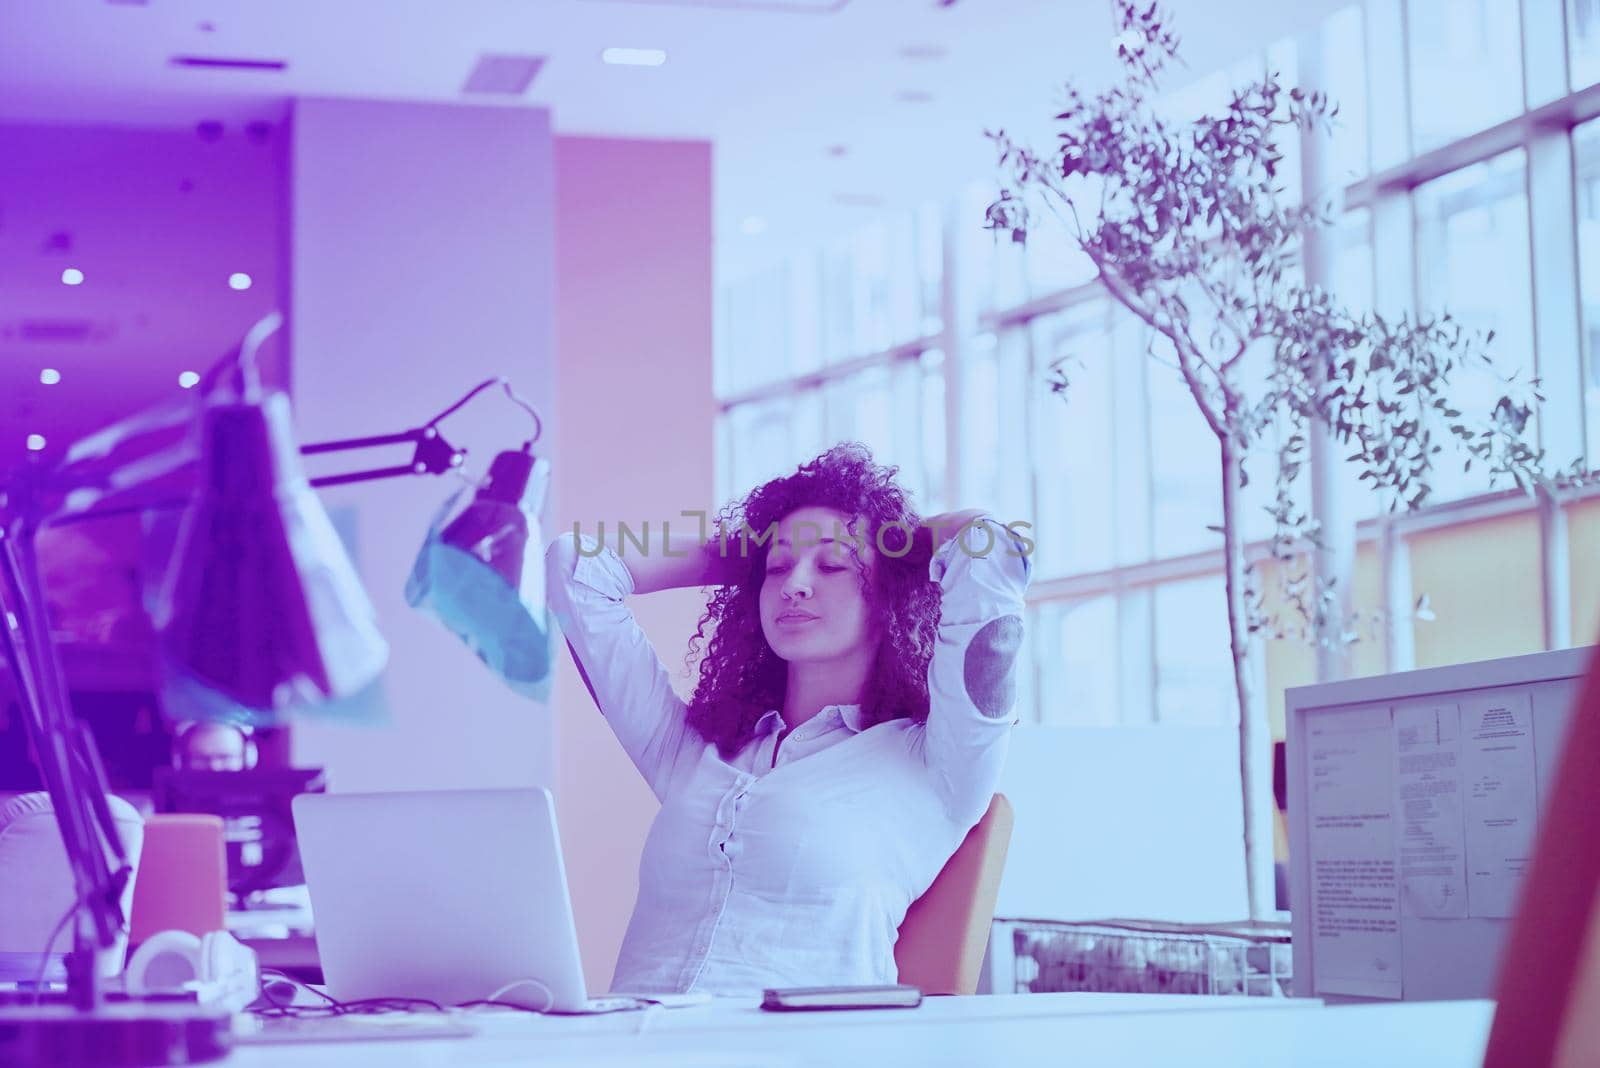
813,998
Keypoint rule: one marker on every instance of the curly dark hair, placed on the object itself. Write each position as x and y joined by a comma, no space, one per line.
740,677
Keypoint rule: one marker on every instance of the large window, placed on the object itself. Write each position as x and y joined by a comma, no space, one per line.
1076,645
1186,466
760,440
1586,150
1193,665
1473,261
1583,41
1466,67
862,338
993,430
1344,77
1076,463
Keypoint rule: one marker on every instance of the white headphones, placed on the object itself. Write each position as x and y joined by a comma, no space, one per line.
252,752
169,961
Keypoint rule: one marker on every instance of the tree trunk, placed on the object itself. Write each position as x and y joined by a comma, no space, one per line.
1254,753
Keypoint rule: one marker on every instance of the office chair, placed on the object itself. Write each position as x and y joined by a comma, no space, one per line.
946,930
182,883
36,885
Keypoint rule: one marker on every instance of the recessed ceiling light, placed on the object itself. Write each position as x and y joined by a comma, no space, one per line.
72,277
914,96
188,380
634,57
924,52
35,442
49,376
239,280
753,225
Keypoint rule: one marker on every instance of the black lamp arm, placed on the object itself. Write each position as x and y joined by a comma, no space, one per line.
433,455
67,760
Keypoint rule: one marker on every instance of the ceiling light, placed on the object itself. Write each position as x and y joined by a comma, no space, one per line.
753,225
35,442
49,376
188,380
239,280
634,57
914,96
72,277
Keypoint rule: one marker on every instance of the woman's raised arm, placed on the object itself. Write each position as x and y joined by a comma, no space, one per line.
982,580
674,558
587,587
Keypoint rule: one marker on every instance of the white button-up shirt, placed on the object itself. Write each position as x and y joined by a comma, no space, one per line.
797,872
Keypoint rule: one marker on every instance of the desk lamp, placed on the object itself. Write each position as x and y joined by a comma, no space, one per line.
262,605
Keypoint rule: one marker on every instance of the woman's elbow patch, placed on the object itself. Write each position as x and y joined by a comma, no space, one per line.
990,671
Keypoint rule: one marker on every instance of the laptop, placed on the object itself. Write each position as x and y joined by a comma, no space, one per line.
452,895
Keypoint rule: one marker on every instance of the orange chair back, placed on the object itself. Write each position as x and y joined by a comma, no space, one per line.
1548,1001
946,930
182,880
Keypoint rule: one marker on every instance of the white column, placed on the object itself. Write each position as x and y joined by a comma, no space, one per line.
1334,558
422,262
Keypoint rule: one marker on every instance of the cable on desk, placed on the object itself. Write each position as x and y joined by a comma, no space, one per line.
652,1009
549,995
334,1007
277,1009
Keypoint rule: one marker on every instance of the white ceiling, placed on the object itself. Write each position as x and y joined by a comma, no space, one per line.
775,84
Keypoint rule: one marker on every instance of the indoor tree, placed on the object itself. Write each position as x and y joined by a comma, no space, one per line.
1191,230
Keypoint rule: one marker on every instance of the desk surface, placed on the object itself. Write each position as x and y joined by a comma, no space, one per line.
1084,1029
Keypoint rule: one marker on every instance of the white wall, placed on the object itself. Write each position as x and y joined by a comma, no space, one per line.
421,252
1124,821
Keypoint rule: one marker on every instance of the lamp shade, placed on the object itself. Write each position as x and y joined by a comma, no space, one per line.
261,602
475,576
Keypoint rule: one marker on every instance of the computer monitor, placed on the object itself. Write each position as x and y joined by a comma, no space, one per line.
1414,800
257,818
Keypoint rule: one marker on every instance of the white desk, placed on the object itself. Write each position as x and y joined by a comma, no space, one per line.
1057,1029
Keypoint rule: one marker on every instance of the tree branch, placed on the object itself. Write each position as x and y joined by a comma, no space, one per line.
1162,324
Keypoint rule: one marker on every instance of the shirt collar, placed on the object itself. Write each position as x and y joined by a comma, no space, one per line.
849,715
852,717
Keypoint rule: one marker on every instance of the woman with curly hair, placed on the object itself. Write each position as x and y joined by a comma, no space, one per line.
847,728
